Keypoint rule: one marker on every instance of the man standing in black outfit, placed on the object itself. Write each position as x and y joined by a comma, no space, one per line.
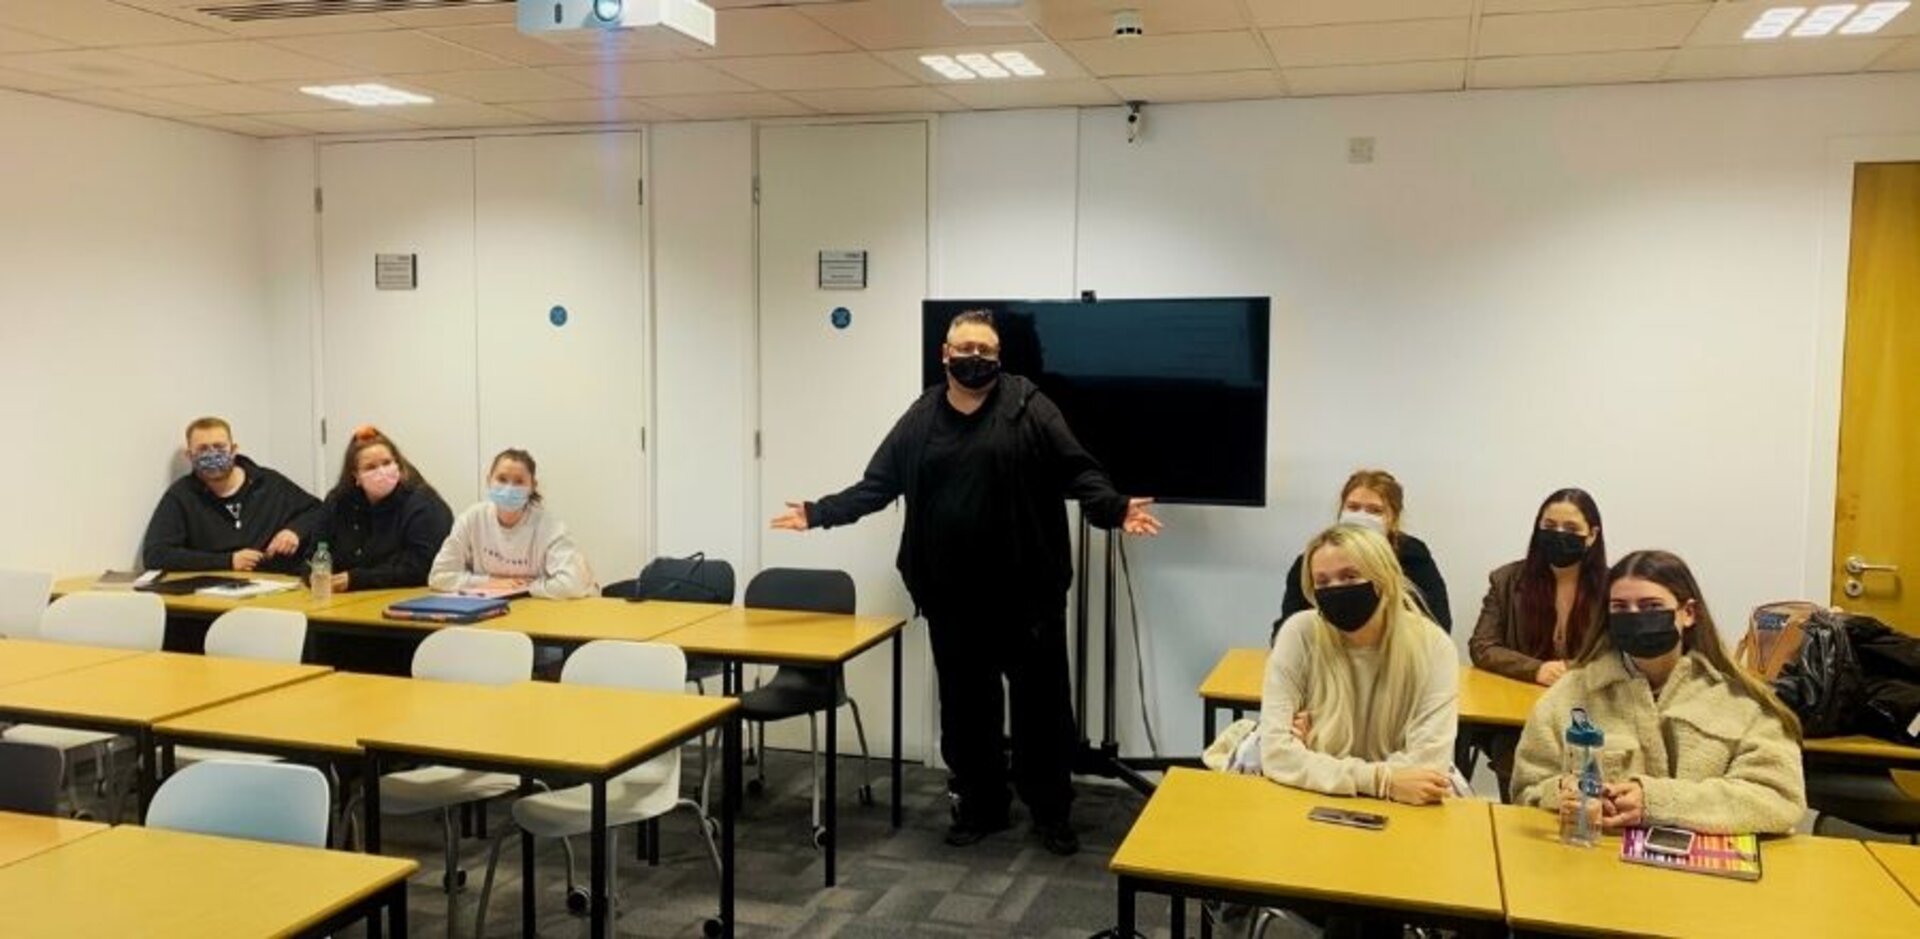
986,463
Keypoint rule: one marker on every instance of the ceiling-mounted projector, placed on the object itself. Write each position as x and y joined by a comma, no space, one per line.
588,20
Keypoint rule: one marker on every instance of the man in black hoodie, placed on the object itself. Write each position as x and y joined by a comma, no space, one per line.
986,463
228,513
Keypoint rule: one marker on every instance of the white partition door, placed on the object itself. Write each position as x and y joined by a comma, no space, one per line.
829,393
558,227
402,360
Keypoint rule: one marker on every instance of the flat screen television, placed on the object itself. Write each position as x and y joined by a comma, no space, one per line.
1170,395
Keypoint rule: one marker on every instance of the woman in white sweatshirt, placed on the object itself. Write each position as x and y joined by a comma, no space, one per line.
1361,693
510,543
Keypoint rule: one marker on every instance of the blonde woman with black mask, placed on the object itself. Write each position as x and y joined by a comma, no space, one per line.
1361,693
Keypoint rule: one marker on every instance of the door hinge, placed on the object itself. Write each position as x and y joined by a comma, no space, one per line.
756,445
643,440
319,201
323,431
756,190
640,187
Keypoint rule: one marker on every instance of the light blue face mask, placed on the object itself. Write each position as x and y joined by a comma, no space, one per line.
509,498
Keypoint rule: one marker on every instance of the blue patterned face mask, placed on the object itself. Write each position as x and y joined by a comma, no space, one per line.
213,463
509,498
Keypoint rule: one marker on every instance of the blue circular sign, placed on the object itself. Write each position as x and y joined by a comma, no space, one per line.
842,317
557,316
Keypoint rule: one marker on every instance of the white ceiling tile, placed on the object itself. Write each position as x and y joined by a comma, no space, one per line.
598,111
240,60
1269,13
1057,63
33,81
1005,95
907,24
97,23
1726,24
394,51
1161,55
1538,6
505,85
1205,86
99,68
649,79
723,107
1093,19
244,126
193,12
1376,79
507,43
1763,59
14,40
1606,30
1367,43
351,121
465,114
1585,68
242,99
769,31
128,101
875,100
1904,57
473,15
814,72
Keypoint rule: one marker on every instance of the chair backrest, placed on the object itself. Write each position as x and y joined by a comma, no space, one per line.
480,656
693,579
283,802
23,598
793,588
30,777
615,663
267,635
129,620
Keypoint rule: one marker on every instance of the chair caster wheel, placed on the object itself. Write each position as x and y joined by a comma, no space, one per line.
819,837
455,881
578,901
756,787
711,929
866,796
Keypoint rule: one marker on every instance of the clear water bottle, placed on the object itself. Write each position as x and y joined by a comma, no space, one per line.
320,581
1581,827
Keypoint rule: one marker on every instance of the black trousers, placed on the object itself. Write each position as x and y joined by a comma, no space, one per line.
974,652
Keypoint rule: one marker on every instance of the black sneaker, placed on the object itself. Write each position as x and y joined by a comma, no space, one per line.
1058,837
965,831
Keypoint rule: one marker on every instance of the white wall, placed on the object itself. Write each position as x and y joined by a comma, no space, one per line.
1606,287
131,302
288,238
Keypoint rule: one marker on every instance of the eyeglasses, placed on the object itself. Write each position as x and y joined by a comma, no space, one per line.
976,348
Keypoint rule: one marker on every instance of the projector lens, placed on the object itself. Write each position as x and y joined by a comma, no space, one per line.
607,11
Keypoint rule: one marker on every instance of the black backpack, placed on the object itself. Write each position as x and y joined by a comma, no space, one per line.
1822,682
692,579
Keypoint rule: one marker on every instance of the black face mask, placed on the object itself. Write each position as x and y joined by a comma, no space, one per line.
1647,634
973,372
1347,607
1562,548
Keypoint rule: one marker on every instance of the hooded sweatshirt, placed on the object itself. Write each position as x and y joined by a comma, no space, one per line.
194,530
387,544
537,549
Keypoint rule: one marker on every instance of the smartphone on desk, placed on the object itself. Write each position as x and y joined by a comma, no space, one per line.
1333,816
1672,842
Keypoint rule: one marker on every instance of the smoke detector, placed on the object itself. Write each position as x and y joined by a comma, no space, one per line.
1127,23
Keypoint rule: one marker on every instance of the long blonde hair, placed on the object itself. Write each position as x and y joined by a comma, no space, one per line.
1331,694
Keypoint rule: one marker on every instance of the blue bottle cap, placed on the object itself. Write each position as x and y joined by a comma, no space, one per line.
1582,733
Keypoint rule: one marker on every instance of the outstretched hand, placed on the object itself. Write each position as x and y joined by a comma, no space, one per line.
1139,521
793,519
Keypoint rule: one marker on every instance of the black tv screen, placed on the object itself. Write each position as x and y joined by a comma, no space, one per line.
1169,395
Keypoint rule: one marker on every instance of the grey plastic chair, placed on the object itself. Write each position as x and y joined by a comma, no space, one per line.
795,691
30,776
280,802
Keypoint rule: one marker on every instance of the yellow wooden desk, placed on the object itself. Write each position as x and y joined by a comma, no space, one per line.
25,659
129,695
23,836
321,719
192,604
1490,700
563,734
1809,886
1235,684
1245,839
1902,861
132,881
824,641
1860,749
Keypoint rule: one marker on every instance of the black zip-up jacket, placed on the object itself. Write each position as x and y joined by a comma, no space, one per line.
390,544
1037,461
192,529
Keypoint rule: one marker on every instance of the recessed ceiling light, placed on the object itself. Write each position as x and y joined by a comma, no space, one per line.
1874,16
1772,24
367,95
1846,19
967,66
1824,19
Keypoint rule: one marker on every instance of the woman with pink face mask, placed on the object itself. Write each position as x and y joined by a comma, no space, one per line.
382,522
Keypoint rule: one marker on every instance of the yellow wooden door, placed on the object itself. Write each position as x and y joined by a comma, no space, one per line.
1876,526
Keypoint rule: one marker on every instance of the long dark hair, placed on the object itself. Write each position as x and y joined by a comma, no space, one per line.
366,436
1537,585
1666,569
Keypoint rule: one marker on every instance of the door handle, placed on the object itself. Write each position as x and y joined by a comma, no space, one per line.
1857,565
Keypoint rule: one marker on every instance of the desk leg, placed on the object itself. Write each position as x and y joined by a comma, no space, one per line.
601,898
527,883
1177,916
1124,928
1209,721
895,762
148,777
370,825
397,909
167,760
830,802
729,806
